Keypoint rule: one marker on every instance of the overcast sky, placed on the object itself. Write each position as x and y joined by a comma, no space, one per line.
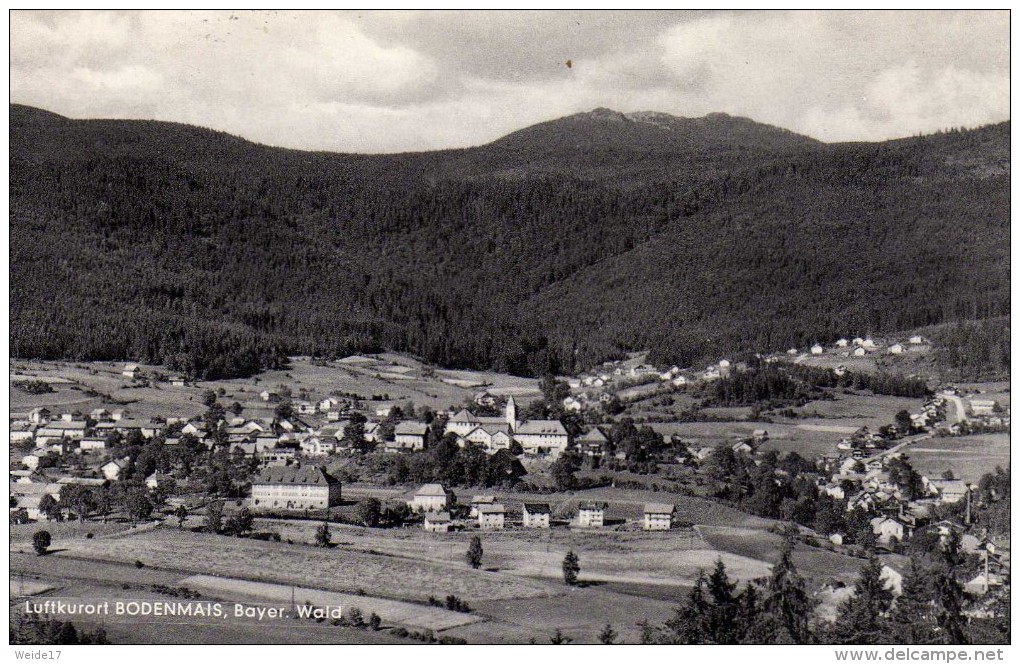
394,81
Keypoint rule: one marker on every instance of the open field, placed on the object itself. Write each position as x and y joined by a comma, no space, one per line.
818,565
66,530
397,377
969,457
336,569
391,611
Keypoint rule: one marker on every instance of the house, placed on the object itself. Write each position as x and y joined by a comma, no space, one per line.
982,583
158,480
295,488
410,435
329,404
792,351
917,340
485,399
842,343
887,528
479,501
593,443
371,432
31,460
131,371
437,522
896,349
100,415
892,575
536,515
463,423
491,517
431,498
92,444
306,408
983,406
858,341
269,395
950,491
112,470
39,415
817,349
859,352
679,381
542,437
591,514
571,404
658,516
178,381
62,429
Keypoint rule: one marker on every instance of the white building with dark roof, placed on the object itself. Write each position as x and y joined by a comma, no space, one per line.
294,488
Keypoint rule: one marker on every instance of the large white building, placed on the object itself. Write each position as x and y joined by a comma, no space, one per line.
536,437
294,488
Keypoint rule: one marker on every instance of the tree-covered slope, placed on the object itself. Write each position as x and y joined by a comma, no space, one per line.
180,245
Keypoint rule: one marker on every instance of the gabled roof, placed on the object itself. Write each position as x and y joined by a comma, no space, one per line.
495,508
431,490
537,508
464,416
411,428
593,436
438,517
477,500
592,505
308,475
536,427
659,508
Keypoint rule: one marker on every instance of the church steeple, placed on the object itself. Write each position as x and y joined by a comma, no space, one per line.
511,413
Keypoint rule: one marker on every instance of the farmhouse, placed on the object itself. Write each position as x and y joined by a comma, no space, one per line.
593,443
485,399
658,516
431,498
92,444
437,522
817,349
269,395
39,415
131,371
295,487
157,480
491,517
841,343
478,502
62,429
536,515
950,491
112,470
887,528
101,415
410,435
896,349
591,514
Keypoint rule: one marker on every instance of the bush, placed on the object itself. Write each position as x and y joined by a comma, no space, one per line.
139,564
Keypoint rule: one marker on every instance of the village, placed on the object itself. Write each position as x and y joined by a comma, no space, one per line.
100,464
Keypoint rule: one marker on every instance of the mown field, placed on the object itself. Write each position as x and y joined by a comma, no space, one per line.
398,377
969,457
338,569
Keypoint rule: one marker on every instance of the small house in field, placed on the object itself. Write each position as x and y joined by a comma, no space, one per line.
268,396
658,516
896,349
536,515
158,480
477,502
859,352
131,371
100,415
983,406
491,517
817,349
178,381
792,351
842,343
591,514
916,340
431,498
437,522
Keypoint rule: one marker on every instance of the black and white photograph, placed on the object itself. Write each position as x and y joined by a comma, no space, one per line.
520,327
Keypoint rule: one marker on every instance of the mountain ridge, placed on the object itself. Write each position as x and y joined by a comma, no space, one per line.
219,256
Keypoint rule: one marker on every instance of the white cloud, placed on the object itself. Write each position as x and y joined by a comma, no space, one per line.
409,81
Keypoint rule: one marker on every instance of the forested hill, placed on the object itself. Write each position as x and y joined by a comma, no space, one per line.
561,244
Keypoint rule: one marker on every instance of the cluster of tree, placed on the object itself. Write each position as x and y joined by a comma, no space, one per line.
447,463
482,259
772,385
31,629
931,609
973,350
769,485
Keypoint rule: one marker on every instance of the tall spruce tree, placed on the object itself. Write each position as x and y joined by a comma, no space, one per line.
860,620
911,620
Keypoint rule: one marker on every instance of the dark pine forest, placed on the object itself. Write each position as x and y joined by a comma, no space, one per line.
551,249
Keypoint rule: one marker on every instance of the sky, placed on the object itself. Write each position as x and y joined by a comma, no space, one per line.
409,80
